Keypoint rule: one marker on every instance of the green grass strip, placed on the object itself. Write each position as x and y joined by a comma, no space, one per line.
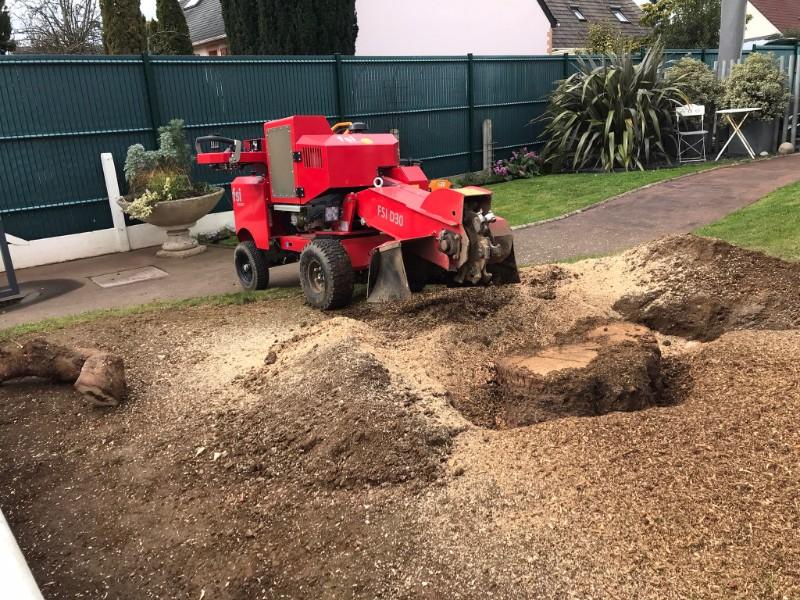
526,201
771,225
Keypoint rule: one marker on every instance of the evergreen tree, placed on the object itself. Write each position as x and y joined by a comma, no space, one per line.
684,23
170,34
124,27
290,26
6,43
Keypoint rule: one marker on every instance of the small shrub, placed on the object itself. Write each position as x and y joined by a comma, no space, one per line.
757,83
523,164
697,81
478,178
618,114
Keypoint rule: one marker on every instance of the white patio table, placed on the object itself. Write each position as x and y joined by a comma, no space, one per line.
735,117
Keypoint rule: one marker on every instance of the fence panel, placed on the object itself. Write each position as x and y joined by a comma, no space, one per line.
425,98
233,96
513,92
59,114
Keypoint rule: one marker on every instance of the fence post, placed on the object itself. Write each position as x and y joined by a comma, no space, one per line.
796,97
784,137
339,102
565,64
488,144
5,255
471,110
152,94
117,216
703,55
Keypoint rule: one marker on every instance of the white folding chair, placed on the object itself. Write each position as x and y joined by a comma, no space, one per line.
691,142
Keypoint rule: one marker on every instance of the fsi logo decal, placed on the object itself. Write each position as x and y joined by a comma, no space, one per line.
390,215
237,197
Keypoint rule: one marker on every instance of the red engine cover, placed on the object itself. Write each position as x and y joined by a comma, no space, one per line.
316,160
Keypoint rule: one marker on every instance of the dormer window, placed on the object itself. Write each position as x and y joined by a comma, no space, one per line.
577,12
617,12
191,4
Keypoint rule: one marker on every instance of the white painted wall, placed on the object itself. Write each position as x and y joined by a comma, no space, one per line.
96,243
757,27
450,27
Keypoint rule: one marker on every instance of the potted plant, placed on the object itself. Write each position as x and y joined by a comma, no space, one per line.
758,82
161,192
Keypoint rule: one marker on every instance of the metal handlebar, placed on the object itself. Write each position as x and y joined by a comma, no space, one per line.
237,146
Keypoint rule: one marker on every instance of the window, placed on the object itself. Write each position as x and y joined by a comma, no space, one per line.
577,11
191,4
617,12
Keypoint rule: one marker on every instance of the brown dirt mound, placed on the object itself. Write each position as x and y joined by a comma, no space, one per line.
700,288
335,414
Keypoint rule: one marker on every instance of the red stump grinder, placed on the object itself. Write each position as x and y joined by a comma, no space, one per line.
343,204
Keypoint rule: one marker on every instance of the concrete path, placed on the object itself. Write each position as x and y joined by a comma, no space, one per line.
66,288
678,206
673,207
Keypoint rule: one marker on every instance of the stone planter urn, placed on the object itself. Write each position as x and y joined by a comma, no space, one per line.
177,217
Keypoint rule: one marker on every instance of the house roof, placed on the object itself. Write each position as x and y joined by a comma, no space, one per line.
571,32
204,19
783,14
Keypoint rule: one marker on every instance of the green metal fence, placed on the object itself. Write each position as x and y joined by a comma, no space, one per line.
59,113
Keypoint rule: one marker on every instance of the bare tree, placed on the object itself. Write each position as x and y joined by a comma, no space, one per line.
61,26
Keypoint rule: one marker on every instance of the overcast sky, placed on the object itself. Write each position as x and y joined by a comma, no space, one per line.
148,9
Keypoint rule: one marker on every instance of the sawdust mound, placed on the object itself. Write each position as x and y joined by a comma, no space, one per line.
334,414
701,288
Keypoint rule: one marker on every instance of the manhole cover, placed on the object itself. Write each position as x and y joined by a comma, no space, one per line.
110,280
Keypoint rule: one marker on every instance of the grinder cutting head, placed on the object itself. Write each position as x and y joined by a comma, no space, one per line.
480,252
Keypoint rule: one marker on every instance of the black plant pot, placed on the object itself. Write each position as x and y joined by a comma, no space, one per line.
760,134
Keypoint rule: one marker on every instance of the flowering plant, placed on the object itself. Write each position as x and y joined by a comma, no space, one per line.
523,164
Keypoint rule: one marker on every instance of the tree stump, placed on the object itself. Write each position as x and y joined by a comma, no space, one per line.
99,376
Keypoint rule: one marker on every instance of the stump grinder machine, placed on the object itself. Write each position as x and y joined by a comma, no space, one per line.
342,203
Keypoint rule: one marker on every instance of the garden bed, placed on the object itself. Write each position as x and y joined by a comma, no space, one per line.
271,451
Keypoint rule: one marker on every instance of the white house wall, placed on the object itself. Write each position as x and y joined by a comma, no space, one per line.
758,26
450,27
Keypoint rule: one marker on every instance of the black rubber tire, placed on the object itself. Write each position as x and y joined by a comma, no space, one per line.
251,267
326,275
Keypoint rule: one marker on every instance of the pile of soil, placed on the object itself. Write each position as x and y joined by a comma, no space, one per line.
701,288
332,408
272,451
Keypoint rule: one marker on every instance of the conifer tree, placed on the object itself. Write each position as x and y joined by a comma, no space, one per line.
6,43
170,34
290,26
124,27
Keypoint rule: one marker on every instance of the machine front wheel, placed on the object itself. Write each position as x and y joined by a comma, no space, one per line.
326,274
251,267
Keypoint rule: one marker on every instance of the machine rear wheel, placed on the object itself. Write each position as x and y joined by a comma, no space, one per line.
251,267
326,274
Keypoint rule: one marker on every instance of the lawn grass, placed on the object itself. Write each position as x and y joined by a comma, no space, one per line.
237,298
530,200
771,225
